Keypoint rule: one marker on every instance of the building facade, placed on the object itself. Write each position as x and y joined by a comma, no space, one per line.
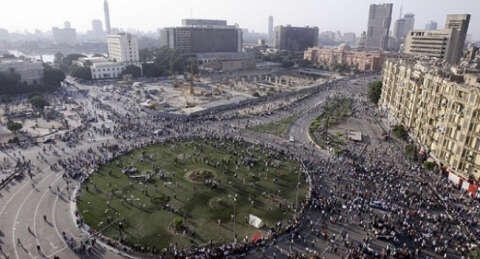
66,35
202,39
403,26
106,70
106,11
270,30
123,48
440,109
432,43
446,44
367,61
460,23
31,72
432,25
226,62
379,20
203,22
295,38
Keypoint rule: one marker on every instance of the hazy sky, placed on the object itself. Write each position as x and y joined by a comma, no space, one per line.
343,15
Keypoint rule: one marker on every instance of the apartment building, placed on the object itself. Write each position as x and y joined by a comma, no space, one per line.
440,107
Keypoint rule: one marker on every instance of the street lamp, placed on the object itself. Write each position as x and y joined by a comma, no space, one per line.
234,218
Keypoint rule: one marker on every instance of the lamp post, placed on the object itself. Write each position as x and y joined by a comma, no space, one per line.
234,218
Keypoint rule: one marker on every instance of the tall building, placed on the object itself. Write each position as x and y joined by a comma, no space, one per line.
399,28
97,26
270,29
66,35
459,22
440,110
432,25
379,20
106,10
410,22
295,38
199,38
123,48
432,43
447,44
403,26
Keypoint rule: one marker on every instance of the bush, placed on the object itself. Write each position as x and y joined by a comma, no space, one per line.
14,126
411,152
38,102
178,223
132,70
81,72
428,165
14,140
374,91
400,132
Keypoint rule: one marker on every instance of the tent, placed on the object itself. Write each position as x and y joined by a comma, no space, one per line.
255,221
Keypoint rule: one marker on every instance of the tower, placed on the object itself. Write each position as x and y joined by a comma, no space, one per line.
107,17
270,29
379,19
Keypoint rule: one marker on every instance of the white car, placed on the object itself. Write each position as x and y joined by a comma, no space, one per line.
292,139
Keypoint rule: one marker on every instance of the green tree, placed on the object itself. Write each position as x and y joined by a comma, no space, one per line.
428,165
400,132
14,126
52,77
38,102
375,91
132,70
81,72
411,152
178,223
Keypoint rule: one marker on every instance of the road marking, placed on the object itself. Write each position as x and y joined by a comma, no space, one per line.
18,213
36,211
54,221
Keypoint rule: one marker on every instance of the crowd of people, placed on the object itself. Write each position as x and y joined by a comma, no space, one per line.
367,203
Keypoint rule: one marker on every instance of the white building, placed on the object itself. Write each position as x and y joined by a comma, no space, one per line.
123,48
102,68
107,69
30,72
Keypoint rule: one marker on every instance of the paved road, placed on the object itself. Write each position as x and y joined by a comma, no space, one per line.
24,204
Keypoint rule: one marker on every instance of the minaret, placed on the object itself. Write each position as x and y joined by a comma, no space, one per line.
107,17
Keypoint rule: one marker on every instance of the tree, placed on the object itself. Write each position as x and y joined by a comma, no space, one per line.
428,165
14,126
375,91
38,102
411,152
132,70
287,64
52,77
81,72
400,132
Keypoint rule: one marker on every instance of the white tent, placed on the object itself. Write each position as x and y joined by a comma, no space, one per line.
255,221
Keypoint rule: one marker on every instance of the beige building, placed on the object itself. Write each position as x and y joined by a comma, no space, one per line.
30,71
367,61
432,43
123,48
226,61
440,108
446,44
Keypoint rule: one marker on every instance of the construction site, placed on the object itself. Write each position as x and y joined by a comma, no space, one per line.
189,94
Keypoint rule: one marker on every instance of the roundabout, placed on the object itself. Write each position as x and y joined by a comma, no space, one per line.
191,193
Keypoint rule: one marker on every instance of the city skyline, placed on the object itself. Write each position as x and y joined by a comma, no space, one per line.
152,15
